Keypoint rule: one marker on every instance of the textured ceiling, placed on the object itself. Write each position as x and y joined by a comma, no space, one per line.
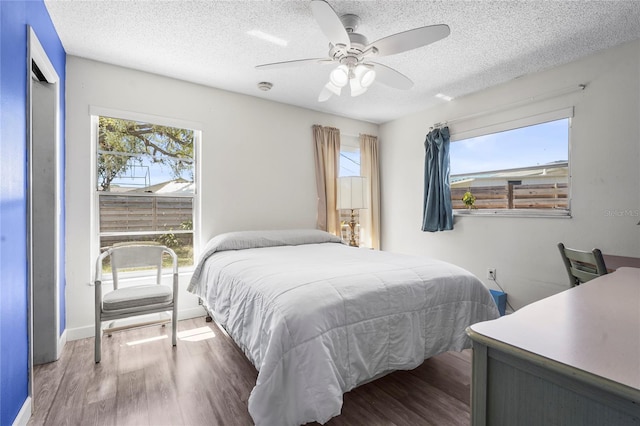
206,42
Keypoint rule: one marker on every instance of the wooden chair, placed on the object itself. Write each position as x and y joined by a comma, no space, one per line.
582,266
124,302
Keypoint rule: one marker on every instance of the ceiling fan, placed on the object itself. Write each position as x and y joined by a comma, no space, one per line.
351,51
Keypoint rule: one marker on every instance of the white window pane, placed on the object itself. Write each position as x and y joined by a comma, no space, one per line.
520,169
181,244
122,213
531,146
349,163
144,156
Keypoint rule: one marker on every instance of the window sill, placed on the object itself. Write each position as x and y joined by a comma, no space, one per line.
561,214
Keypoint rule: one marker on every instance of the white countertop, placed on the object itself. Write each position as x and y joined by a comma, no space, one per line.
594,327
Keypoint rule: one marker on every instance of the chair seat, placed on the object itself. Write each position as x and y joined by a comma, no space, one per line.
124,302
136,296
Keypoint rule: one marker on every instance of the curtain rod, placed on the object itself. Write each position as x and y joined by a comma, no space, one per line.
348,135
357,136
333,127
548,95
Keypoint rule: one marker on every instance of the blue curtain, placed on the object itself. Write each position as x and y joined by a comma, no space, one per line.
437,214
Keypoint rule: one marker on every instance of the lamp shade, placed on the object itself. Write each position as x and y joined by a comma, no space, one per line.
352,193
339,76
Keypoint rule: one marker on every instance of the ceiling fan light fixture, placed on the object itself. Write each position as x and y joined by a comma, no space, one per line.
339,77
366,75
356,88
325,94
363,77
333,88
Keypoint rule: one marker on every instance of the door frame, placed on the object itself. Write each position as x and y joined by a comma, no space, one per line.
36,54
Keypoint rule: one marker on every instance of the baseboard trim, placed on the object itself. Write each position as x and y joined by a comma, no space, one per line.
89,330
61,342
24,414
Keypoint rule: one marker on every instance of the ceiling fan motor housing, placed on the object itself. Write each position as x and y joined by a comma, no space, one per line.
350,22
358,42
356,51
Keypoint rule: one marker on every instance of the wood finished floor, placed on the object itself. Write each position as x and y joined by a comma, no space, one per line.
205,380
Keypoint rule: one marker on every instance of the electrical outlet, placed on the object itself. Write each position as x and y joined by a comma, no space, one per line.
491,274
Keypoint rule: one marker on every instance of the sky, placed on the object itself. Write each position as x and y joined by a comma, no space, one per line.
528,146
147,174
349,163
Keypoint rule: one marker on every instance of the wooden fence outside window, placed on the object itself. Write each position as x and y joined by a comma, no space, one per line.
515,196
122,213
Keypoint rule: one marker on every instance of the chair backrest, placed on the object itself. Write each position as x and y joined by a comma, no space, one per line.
582,266
133,256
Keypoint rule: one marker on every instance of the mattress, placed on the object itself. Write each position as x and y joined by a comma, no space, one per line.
317,318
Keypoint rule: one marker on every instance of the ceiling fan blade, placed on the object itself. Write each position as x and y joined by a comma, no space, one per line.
390,77
295,63
412,39
330,23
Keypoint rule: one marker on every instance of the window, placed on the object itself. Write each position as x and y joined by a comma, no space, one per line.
349,156
521,168
146,184
349,166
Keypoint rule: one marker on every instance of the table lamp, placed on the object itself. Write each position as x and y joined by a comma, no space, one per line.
352,195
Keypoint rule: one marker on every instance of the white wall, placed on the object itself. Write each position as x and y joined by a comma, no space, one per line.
605,169
257,162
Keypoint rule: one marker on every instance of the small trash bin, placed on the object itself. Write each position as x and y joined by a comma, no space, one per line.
500,298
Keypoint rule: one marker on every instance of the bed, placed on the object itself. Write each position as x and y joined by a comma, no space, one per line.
318,318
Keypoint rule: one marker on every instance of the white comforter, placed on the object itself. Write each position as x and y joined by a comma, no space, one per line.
319,319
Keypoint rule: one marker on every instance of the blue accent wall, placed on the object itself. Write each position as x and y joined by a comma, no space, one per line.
15,16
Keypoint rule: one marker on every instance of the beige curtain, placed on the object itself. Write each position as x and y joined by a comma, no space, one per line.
327,152
369,168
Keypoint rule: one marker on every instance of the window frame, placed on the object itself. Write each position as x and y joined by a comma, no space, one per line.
518,123
95,113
